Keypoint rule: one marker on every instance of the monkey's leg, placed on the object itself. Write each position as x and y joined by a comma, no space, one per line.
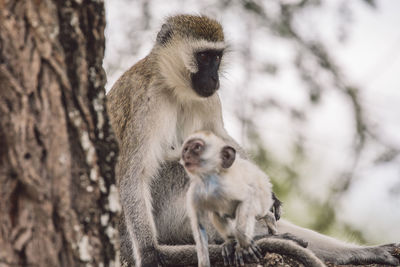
246,249
197,220
225,230
331,250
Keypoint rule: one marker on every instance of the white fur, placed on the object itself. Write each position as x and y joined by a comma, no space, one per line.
188,118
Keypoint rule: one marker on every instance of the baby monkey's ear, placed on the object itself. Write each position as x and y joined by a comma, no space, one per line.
228,155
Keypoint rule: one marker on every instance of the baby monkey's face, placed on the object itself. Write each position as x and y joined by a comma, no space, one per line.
192,152
204,153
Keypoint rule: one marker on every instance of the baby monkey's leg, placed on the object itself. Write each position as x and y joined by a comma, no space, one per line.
246,249
225,230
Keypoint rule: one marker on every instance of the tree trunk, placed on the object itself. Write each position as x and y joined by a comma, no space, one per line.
58,199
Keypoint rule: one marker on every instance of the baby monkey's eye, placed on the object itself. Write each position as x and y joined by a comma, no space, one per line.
197,147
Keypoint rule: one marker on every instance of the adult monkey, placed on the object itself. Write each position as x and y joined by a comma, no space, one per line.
153,107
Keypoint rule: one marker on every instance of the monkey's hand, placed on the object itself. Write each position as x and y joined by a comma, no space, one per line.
152,257
270,221
249,254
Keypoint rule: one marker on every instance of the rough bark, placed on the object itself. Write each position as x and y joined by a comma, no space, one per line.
58,200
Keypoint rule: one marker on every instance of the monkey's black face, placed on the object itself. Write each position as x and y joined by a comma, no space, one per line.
206,80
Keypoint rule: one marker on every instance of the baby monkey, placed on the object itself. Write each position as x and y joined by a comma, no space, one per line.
230,191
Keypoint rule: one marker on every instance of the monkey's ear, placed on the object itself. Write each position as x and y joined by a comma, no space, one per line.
228,155
164,34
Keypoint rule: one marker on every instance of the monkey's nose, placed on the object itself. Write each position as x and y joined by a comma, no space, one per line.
186,156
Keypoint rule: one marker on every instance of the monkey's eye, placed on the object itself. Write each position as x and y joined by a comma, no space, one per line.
197,148
217,58
202,57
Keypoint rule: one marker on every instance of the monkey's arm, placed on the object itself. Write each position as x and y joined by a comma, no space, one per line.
134,123
136,202
197,221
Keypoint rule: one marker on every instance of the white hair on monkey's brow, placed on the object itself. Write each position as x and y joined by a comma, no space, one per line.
195,46
202,44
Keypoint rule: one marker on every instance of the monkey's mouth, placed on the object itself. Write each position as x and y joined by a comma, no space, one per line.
191,166
204,87
207,93
208,89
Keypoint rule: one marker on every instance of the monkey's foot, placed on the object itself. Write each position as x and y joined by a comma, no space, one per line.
387,254
395,250
250,254
228,252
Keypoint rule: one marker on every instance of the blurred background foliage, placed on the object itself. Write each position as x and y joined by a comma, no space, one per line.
311,90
